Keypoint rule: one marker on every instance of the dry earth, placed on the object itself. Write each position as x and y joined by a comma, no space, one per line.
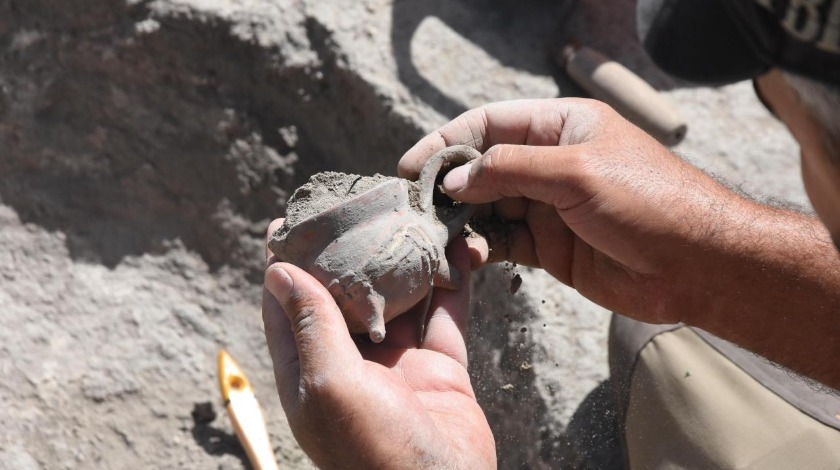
146,144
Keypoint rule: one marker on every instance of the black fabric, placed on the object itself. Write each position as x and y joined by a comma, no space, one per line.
722,41
788,35
697,40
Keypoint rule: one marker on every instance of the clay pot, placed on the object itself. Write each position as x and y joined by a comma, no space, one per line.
381,252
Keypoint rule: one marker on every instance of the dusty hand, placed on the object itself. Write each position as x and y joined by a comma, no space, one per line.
589,197
397,404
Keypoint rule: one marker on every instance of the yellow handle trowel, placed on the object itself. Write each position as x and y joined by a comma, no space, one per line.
245,414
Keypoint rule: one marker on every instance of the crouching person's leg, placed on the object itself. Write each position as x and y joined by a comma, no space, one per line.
686,399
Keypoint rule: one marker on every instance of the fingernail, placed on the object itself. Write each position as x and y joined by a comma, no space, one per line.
279,283
456,179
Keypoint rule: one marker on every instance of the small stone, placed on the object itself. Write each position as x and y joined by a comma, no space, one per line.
203,413
515,284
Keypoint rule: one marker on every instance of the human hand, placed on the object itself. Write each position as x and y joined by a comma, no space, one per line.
396,404
588,197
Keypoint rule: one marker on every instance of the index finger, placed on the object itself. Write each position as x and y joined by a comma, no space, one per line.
450,309
519,122
272,227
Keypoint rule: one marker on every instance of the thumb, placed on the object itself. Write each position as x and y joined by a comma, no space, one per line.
323,342
551,174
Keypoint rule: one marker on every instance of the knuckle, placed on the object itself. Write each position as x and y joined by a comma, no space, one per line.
477,123
592,111
596,106
489,166
466,129
498,168
305,314
577,165
601,106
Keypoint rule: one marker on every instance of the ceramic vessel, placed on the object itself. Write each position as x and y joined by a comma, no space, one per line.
381,252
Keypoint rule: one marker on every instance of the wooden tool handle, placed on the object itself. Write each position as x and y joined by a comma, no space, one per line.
245,414
249,425
626,92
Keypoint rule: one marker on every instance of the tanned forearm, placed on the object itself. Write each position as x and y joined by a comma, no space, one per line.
770,282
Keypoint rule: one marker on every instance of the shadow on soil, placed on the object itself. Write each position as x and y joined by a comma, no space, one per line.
524,34
215,441
186,133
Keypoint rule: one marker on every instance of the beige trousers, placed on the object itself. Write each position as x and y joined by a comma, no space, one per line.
690,407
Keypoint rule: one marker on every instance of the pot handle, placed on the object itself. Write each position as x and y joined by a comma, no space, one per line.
459,154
